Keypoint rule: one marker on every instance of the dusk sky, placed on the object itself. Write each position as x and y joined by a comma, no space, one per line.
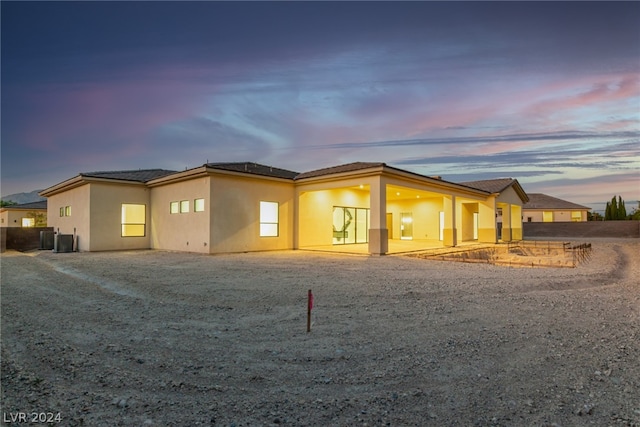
545,92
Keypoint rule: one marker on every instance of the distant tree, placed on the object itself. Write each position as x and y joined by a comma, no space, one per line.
39,219
594,216
615,210
622,211
4,203
611,211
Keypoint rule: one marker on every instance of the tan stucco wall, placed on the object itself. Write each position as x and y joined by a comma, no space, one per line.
558,215
106,216
425,214
78,199
316,213
465,220
509,196
235,213
182,231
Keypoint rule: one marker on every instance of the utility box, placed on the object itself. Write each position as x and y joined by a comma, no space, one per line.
63,243
46,240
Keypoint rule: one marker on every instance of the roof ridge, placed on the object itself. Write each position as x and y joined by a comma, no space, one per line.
128,170
346,167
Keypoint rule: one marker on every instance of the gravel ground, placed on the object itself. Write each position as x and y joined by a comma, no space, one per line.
151,338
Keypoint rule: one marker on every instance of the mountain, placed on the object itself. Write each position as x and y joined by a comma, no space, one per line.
21,198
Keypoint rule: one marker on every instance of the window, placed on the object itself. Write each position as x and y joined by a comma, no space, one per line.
174,208
576,216
198,205
268,219
28,222
67,211
61,211
547,216
184,206
133,220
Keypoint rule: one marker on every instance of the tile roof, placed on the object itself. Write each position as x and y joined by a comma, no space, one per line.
141,175
42,204
254,168
543,201
349,167
491,185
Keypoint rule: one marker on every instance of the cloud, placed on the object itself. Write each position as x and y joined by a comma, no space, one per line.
535,137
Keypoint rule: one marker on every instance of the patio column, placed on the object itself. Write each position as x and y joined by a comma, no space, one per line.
449,233
506,223
487,221
378,233
516,222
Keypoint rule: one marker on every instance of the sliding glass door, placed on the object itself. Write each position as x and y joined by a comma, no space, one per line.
350,225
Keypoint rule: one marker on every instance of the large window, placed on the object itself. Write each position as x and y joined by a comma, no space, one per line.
268,219
28,222
576,216
133,220
547,216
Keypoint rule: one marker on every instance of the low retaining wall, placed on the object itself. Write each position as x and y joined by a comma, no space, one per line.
582,229
21,239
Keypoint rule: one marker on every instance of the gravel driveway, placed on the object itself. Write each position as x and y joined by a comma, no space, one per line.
151,338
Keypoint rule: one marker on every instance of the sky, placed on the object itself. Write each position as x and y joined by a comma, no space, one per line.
544,92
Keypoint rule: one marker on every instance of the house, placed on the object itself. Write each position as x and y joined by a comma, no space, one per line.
24,215
544,208
239,207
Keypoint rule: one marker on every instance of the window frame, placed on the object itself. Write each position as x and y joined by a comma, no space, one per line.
124,224
266,222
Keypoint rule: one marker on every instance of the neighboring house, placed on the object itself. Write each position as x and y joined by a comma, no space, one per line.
25,215
238,207
544,208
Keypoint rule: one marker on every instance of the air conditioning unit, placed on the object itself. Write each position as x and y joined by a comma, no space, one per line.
63,243
46,240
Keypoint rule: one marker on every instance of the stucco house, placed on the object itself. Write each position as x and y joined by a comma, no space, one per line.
24,215
238,207
545,208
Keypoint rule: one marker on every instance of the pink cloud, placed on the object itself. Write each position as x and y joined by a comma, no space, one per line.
122,110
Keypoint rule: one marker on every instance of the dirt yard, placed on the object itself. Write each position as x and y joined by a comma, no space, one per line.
146,338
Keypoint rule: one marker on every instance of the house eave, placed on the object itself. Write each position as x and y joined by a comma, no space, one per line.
80,180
